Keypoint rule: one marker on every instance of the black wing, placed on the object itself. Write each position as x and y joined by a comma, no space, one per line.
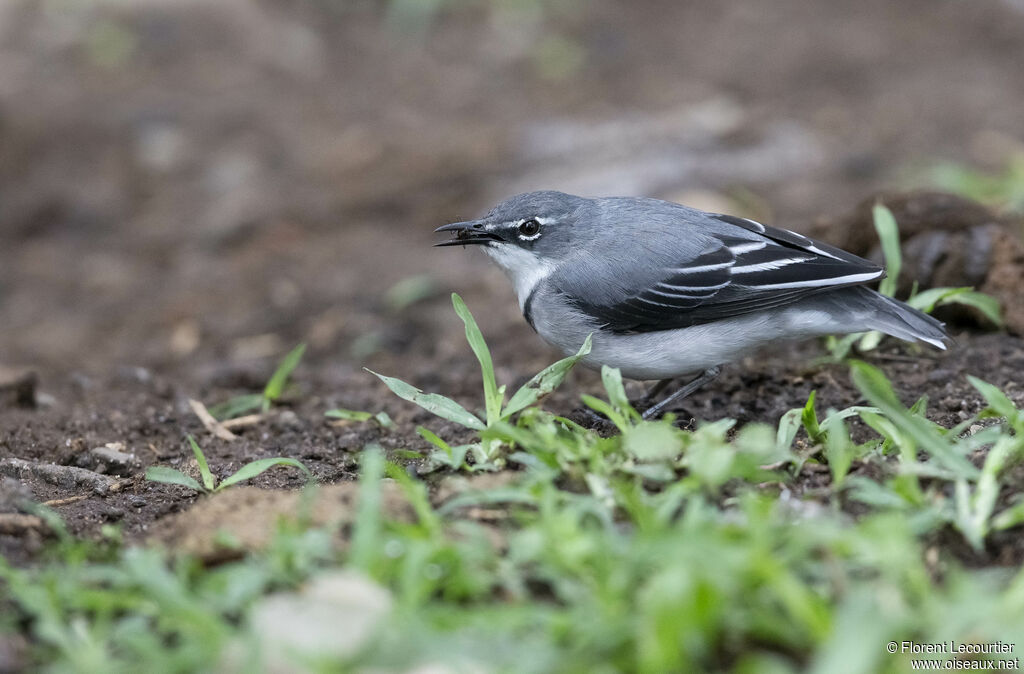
743,267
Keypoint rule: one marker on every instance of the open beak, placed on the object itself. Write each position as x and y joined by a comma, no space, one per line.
466,233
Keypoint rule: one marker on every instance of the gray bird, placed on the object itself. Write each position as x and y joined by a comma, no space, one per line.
669,290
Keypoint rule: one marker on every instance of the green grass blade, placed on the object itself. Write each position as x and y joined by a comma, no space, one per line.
381,418
384,421
889,235
989,306
492,397
546,381
171,476
204,468
254,468
929,299
415,493
839,452
275,387
1011,517
869,341
809,419
437,405
653,441
409,291
789,424
366,533
998,402
839,347
601,407
348,415
237,406
433,439
612,379
877,389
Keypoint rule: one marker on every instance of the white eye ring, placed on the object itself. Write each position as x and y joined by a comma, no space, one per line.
529,230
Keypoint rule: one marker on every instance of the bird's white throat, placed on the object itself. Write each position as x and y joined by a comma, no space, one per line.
523,268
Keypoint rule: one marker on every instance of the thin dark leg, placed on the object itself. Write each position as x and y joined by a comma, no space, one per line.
709,375
641,403
655,390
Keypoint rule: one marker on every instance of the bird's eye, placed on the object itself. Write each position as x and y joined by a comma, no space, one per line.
529,228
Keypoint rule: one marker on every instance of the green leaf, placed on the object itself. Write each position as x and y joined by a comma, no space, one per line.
889,236
809,419
456,458
435,404
611,377
989,306
275,387
348,415
415,493
983,501
384,421
870,492
237,406
601,407
204,468
789,424
925,301
870,340
839,347
652,442
996,399
254,468
845,414
1011,517
877,389
492,397
381,418
839,452
409,291
171,476
546,381
366,533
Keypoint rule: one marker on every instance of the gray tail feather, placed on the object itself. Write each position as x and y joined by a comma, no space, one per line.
895,318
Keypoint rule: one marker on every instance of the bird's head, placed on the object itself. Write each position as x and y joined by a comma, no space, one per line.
525,234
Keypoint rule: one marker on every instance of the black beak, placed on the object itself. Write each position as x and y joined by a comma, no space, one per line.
466,233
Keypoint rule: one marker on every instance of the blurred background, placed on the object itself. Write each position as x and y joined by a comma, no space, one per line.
185,183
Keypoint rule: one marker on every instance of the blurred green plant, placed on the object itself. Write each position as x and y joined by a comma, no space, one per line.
683,551
651,549
272,392
380,418
1002,189
888,234
168,475
487,451
410,290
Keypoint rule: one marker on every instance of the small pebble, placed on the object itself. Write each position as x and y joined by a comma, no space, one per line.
288,420
111,459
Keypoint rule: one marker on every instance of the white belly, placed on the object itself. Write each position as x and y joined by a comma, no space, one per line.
667,354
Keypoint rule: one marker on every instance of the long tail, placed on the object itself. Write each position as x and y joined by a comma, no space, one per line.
878,312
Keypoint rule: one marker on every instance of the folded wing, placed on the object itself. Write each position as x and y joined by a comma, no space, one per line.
737,266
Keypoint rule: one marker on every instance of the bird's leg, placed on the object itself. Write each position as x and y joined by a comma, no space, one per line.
707,376
641,403
649,397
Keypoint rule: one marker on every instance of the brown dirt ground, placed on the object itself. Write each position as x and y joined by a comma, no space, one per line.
187,190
